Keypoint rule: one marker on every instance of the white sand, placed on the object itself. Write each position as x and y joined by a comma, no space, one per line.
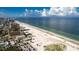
42,38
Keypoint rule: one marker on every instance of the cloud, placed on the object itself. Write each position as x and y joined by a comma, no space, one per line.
44,12
58,11
31,13
62,11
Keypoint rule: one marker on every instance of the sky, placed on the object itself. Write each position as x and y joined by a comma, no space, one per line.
14,11
18,10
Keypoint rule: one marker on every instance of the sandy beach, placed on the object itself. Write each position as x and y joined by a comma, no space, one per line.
43,37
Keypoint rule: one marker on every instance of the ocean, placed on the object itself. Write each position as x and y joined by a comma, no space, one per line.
66,26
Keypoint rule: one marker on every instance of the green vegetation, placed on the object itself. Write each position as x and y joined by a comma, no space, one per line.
2,48
55,47
13,48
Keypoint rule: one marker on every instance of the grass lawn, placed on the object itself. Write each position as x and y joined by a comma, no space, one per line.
55,47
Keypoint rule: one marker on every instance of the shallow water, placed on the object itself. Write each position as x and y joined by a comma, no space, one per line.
65,26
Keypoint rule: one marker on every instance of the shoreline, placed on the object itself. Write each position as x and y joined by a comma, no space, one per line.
65,40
